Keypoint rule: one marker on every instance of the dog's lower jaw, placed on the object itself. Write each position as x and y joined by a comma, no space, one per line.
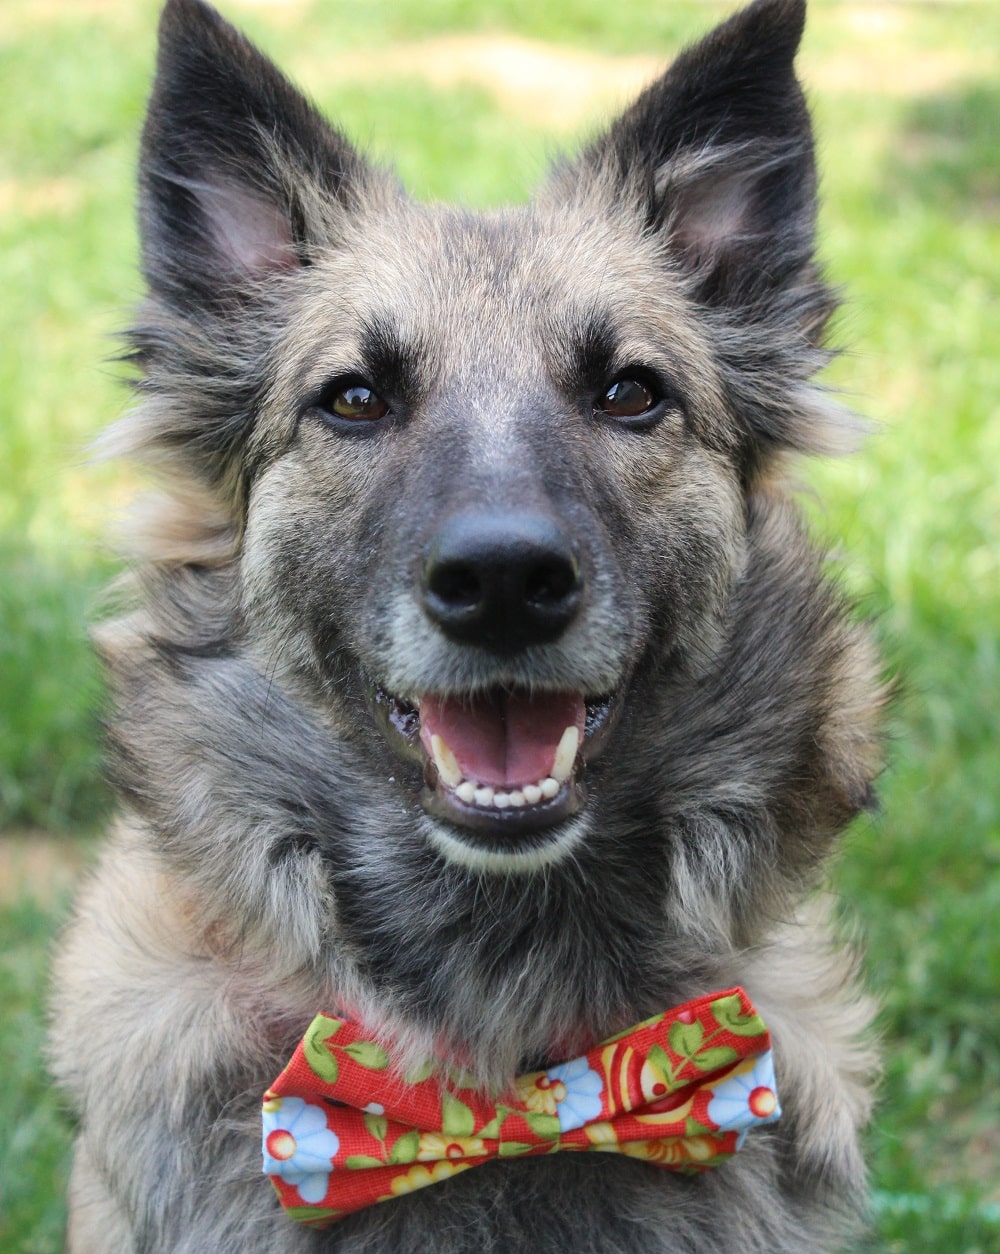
546,849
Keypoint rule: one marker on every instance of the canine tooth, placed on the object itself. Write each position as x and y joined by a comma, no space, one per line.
549,787
532,794
501,800
566,754
484,796
444,760
517,798
466,791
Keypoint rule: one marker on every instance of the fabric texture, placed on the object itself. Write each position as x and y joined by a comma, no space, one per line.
344,1128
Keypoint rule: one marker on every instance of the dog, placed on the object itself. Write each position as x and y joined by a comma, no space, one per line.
476,680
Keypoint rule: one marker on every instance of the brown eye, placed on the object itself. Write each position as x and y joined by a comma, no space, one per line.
628,398
356,402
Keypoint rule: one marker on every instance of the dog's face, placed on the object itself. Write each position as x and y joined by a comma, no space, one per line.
492,496
484,479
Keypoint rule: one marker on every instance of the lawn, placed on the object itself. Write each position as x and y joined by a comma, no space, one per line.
468,98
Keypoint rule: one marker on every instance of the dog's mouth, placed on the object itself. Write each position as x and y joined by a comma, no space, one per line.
505,762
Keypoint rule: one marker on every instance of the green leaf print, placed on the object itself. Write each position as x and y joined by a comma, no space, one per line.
543,1125
358,1162
461,1078
317,1052
417,1075
511,1149
367,1054
714,1058
491,1131
686,1038
405,1149
310,1214
377,1125
657,1058
456,1118
728,1012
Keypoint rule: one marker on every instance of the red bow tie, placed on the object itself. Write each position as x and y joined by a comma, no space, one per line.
343,1128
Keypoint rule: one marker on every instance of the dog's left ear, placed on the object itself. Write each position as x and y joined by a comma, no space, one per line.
717,155
239,175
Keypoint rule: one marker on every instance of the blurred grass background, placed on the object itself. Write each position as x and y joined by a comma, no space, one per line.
468,97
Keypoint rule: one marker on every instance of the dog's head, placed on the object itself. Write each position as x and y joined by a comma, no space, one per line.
485,478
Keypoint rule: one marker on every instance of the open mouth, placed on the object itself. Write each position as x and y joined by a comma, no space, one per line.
504,762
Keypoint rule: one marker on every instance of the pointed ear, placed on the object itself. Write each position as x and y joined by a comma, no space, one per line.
718,156
236,165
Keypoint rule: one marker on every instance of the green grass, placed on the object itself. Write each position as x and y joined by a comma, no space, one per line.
34,1144
911,161
912,231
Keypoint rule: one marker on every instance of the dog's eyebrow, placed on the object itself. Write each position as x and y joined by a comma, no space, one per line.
592,352
393,363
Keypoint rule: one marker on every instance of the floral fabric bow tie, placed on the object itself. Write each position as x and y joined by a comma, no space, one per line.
343,1128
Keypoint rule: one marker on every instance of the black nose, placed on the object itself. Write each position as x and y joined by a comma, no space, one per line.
502,580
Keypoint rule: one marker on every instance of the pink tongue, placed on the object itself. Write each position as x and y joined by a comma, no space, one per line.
502,738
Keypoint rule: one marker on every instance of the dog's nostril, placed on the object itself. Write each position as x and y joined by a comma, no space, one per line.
550,583
455,584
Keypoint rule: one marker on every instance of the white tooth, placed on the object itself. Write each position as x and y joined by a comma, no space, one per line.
466,791
501,800
484,796
549,787
532,794
517,798
444,760
566,754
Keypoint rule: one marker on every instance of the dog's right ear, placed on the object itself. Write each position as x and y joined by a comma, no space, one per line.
238,171
715,162
717,158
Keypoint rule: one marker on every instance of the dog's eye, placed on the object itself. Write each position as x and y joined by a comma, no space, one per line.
629,398
353,401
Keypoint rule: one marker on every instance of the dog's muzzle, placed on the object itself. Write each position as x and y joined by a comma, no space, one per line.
500,761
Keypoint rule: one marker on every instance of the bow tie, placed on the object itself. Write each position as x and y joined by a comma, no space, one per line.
343,1128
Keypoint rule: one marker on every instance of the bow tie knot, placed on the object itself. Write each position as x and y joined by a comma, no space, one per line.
343,1128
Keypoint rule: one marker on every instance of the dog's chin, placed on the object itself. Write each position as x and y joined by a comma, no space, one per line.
504,770
523,857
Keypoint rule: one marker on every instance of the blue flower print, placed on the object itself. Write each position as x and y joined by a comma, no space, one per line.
583,1089
298,1146
746,1097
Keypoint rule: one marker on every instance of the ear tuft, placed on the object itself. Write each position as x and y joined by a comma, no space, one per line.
242,231
739,217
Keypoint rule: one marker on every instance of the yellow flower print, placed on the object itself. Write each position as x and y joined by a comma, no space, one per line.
539,1093
437,1147
674,1151
602,1135
676,1115
419,1177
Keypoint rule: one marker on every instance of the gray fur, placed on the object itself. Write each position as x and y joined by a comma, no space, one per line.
273,857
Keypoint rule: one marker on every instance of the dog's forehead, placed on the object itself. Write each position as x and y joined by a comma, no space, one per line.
524,279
